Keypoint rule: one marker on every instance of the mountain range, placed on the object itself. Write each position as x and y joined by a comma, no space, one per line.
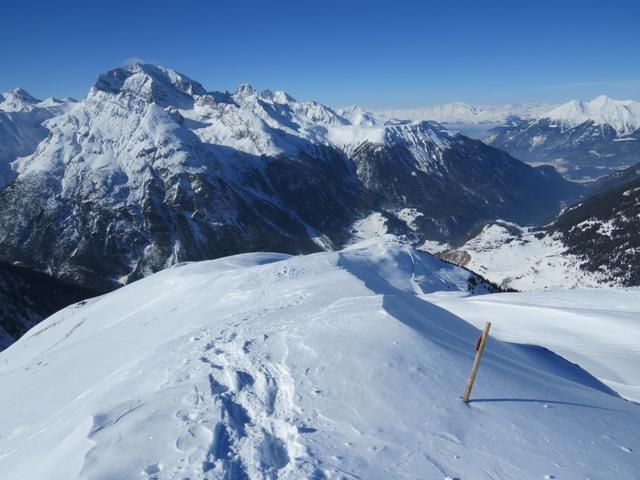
346,359
151,169
583,140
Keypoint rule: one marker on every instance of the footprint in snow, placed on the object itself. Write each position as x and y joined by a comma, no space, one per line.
194,437
151,470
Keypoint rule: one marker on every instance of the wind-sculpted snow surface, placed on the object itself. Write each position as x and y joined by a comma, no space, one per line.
331,365
597,329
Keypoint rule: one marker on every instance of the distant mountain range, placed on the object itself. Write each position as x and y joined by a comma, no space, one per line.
583,140
151,169
468,118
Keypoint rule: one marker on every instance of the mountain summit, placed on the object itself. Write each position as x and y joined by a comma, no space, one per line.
622,115
585,140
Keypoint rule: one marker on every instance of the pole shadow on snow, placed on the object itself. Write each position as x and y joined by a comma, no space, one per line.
549,402
452,332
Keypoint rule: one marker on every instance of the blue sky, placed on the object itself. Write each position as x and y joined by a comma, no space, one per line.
393,53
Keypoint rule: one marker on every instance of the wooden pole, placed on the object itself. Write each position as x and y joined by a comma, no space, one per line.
476,362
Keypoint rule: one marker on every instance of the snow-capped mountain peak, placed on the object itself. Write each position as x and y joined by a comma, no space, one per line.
622,115
245,92
150,151
17,100
463,113
151,83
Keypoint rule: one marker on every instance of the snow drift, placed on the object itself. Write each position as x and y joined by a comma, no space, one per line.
330,365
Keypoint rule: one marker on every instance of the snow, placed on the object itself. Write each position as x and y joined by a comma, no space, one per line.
477,120
524,259
332,365
21,129
371,226
409,216
143,113
463,113
622,115
597,328
434,247
604,228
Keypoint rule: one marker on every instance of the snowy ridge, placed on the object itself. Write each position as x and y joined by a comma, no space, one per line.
331,365
597,329
256,123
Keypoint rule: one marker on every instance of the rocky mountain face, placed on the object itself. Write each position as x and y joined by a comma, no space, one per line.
27,297
603,231
151,169
452,190
584,140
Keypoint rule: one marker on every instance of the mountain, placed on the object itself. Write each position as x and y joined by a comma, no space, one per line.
471,120
21,129
603,231
583,140
594,243
622,115
614,180
27,297
151,169
332,365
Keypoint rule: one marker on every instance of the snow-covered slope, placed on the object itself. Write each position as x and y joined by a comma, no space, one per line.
151,169
326,366
521,258
603,231
597,329
21,118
